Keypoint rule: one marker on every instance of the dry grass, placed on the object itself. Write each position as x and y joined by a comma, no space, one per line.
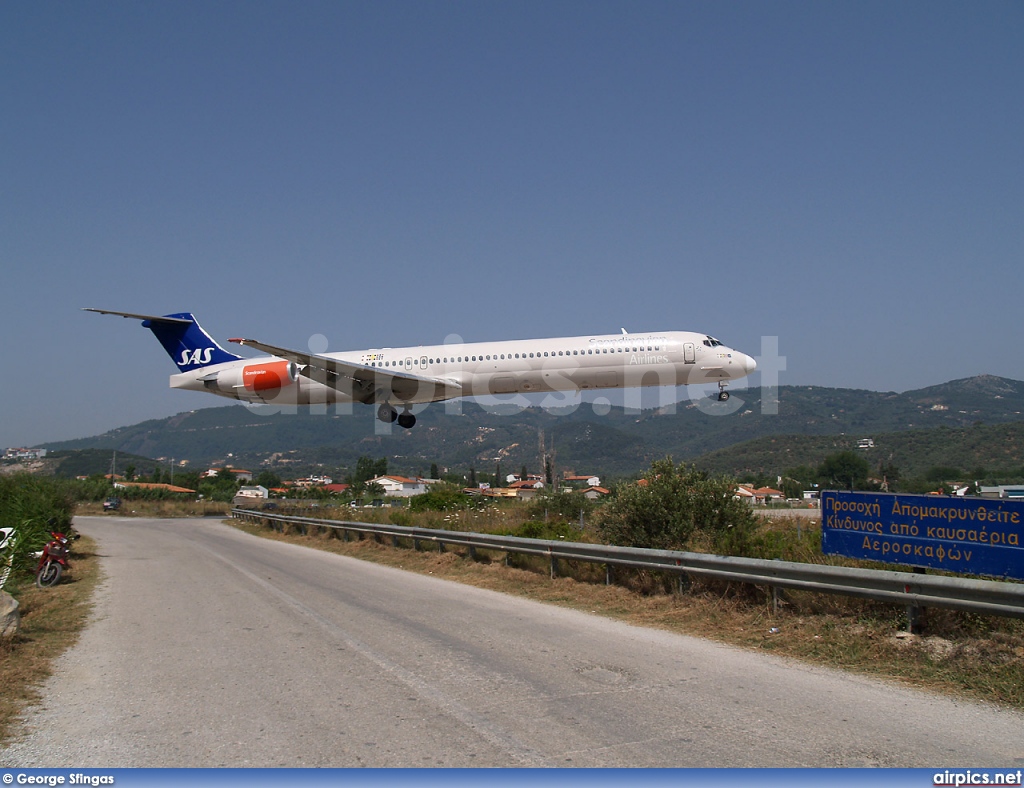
51,620
977,657
158,509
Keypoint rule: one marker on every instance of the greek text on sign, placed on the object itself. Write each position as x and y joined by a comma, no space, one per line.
974,535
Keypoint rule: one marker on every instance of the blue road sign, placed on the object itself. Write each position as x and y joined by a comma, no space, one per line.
978,536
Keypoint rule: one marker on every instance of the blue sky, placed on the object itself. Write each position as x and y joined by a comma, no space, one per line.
848,177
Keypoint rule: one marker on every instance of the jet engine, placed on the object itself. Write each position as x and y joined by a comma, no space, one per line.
261,379
268,377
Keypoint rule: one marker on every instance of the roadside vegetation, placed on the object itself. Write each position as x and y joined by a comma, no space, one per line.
51,618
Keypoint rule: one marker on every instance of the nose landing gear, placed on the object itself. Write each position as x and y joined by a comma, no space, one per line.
723,395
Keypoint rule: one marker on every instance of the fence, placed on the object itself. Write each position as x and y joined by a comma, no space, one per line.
911,589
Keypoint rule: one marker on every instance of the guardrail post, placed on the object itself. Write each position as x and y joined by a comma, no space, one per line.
682,581
913,619
415,543
440,547
914,612
554,566
472,552
608,573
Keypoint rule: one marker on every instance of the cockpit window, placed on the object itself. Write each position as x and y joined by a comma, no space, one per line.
712,342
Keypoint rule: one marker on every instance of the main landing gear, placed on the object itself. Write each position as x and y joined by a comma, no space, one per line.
389,415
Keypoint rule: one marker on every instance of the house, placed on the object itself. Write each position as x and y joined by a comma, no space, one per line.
595,492
745,493
528,484
760,495
527,489
769,494
515,477
257,491
400,486
583,480
503,492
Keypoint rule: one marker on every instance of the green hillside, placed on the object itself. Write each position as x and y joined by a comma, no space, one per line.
995,450
617,443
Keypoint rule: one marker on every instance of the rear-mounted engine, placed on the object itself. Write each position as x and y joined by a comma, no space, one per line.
262,379
269,377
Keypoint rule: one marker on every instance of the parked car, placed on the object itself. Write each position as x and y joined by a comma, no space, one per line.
111,504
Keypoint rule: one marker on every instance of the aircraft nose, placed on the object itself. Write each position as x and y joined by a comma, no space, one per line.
748,363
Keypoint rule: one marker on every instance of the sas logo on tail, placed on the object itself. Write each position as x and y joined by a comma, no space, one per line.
200,355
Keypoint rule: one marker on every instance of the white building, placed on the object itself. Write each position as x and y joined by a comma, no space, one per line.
256,491
400,486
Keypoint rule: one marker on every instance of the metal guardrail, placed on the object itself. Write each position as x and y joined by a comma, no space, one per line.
993,597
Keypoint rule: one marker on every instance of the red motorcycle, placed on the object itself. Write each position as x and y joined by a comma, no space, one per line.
54,560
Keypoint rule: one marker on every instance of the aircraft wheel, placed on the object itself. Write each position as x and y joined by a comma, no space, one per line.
386,413
407,420
723,396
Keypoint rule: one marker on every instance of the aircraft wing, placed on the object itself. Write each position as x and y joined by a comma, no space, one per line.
359,380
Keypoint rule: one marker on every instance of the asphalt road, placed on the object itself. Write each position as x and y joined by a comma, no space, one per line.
210,647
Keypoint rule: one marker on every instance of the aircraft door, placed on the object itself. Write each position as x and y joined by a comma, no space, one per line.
689,353
408,365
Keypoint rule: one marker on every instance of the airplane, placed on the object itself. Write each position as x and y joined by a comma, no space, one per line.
387,377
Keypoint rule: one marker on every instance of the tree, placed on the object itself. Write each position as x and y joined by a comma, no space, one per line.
268,479
845,469
433,471
367,468
674,508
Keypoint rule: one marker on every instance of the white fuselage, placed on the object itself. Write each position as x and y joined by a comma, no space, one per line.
669,358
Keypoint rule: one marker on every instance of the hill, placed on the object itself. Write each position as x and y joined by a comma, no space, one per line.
81,462
977,452
616,442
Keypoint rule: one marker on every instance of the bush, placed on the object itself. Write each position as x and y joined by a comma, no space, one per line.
678,508
34,506
566,504
534,529
439,498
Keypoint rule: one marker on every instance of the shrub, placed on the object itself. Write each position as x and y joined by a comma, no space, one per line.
34,506
678,508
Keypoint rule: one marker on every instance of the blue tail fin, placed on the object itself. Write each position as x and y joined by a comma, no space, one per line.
188,345
185,341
